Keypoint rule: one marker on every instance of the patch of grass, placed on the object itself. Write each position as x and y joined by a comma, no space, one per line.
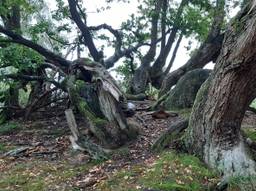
2,148
180,172
122,151
170,171
40,175
242,183
250,133
124,180
8,128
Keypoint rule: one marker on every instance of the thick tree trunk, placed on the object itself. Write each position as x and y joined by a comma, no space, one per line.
12,22
157,80
214,127
140,79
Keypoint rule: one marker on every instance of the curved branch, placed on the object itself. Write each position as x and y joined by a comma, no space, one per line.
97,56
54,58
32,78
156,69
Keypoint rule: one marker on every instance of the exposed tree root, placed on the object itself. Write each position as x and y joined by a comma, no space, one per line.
170,135
81,142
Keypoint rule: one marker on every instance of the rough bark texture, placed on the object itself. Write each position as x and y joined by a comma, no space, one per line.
11,22
184,93
81,142
170,135
113,129
141,76
214,126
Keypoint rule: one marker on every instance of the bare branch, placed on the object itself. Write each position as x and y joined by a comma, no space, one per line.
97,56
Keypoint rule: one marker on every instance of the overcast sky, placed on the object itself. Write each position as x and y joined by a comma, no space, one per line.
120,12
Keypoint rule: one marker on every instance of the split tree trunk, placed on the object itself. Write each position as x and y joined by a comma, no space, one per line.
140,79
113,130
214,127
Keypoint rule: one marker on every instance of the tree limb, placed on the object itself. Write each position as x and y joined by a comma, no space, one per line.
32,78
208,51
54,58
97,56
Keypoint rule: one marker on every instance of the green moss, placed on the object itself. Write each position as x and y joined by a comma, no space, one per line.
8,128
171,171
242,183
77,100
185,113
250,133
238,26
179,171
2,148
40,175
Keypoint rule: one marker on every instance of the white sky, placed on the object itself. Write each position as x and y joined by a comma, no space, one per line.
120,12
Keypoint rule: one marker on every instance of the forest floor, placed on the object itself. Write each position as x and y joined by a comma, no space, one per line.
49,163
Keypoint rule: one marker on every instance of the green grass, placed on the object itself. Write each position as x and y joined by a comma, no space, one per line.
170,171
4,147
242,183
8,128
40,175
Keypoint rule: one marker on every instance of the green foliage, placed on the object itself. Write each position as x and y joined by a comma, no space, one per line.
125,71
9,128
19,57
253,104
5,6
250,133
152,92
23,97
196,22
